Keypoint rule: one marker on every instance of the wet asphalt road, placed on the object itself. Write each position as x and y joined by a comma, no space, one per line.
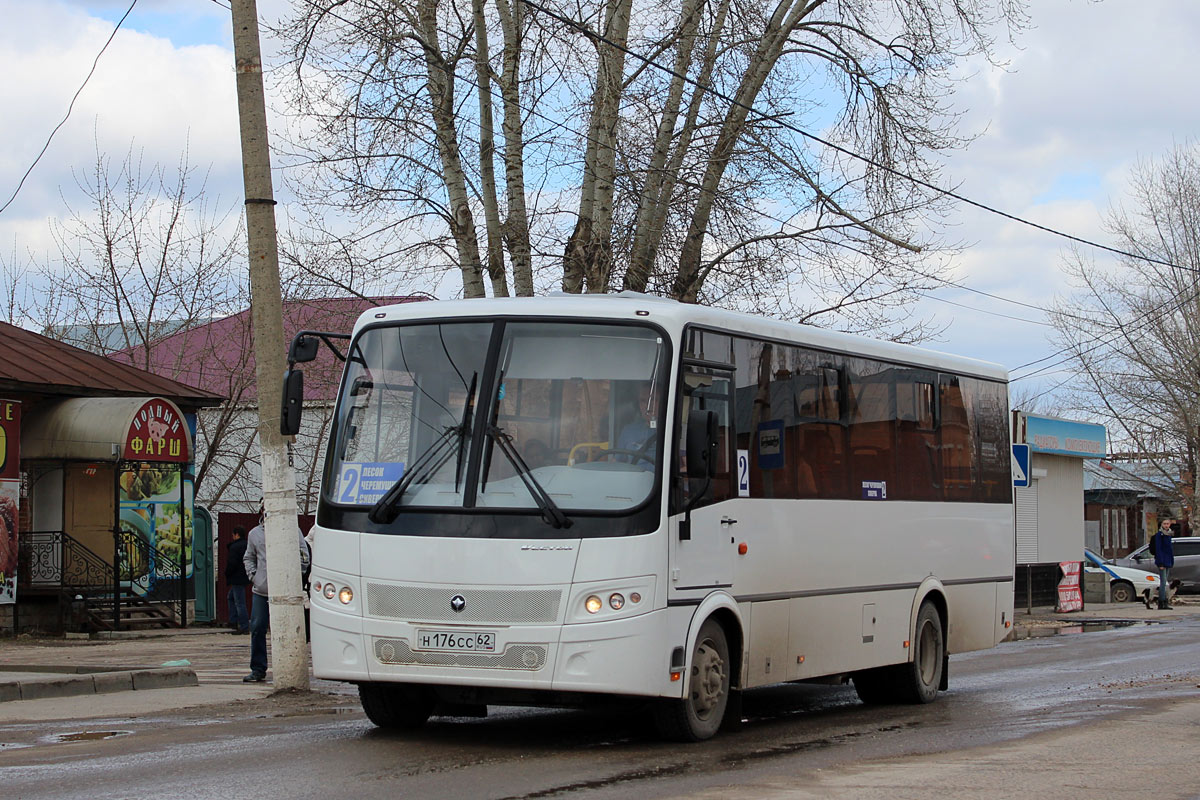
1012,691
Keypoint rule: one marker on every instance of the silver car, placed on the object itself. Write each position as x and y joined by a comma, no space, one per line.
1187,562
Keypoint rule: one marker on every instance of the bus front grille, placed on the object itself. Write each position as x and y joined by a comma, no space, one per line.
529,657
488,606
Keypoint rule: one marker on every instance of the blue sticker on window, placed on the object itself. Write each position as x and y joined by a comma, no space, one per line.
365,483
874,490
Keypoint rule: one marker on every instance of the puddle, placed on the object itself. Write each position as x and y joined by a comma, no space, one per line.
89,736
1084,627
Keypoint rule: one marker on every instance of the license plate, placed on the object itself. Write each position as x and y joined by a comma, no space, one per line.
457,641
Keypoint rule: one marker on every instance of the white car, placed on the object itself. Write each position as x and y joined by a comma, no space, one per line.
1126,583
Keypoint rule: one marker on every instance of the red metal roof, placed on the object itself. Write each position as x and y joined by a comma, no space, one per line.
220,354
35,364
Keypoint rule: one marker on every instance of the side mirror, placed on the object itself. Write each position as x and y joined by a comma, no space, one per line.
702,444
293,402
303,349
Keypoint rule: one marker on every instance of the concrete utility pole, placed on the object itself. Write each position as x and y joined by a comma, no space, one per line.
289,653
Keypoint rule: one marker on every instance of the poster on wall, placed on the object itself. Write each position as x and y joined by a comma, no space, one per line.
10,497
10,494
154,517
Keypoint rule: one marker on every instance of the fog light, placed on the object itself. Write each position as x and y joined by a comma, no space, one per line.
593,604
616,601
330,591
346,595
635,597
317,586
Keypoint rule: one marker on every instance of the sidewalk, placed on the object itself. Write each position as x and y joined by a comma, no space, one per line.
57,678
1045,621
155,671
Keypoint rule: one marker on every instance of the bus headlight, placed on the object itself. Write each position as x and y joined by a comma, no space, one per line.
346,595
606,600
329,591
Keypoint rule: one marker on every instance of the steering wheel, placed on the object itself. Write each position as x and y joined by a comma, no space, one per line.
634,455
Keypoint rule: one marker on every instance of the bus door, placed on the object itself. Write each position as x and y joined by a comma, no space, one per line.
702,527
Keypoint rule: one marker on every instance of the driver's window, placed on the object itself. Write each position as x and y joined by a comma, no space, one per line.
706,390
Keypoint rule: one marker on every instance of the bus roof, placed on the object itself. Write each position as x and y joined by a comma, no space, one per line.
674,316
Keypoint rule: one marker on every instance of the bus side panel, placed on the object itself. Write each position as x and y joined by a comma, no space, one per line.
832,634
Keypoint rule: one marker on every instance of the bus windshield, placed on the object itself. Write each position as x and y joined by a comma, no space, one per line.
554,418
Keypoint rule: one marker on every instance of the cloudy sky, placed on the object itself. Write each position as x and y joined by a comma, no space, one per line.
1092,88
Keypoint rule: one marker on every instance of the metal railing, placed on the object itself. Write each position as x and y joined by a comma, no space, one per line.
54,562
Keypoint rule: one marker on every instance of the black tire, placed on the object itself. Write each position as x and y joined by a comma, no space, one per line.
698,716
396,706
1122,592
876,687
918,680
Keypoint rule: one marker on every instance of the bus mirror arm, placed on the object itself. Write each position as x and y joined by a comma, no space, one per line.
303,349
305,345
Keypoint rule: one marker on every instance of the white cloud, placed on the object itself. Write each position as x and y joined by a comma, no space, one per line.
1090,89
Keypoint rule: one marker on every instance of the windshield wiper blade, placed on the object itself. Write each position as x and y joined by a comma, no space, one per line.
551,513
426,465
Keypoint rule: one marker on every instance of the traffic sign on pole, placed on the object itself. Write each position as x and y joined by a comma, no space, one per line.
1020,464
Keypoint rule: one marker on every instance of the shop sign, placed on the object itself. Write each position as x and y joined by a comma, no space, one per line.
157,433
1064,437
10,440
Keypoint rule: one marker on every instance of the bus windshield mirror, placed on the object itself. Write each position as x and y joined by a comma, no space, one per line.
551,513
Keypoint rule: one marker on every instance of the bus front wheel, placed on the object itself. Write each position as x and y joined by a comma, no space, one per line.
396,706
698,715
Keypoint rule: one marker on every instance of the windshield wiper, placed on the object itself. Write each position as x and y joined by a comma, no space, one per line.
551,513
426,465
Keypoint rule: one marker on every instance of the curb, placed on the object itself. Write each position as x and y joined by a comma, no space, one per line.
40,688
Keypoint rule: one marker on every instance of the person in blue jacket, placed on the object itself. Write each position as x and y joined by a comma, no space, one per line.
1164,558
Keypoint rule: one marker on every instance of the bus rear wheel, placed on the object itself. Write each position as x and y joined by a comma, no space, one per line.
920,678
698,715
913,682
396,706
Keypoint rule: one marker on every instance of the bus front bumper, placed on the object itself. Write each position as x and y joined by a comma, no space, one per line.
629,656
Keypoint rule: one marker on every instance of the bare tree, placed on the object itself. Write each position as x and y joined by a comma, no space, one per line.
150,256
692,182
1132,329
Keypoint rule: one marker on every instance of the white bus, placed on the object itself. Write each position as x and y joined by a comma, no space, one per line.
546,501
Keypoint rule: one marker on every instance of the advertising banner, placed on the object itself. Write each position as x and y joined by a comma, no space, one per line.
154,510
1070,596
10,497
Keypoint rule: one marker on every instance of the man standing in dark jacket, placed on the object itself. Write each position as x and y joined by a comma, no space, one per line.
1164,558
237,581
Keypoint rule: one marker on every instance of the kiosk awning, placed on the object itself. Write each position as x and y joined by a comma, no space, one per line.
108,429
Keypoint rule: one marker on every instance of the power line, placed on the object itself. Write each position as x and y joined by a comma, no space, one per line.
70,107
1103,340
